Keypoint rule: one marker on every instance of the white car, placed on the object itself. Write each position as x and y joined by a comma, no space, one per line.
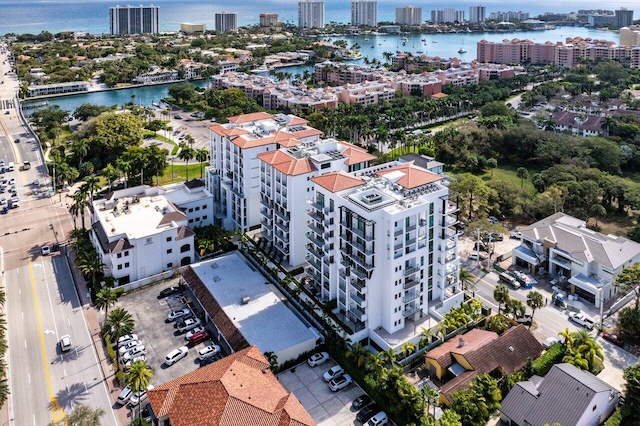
123,340
65,343
174,315
129,363
335,371
317,359
124,396
188,324
133,353
139,397
208,351
176,355
379,419
45,250
198,329
12,181
127,347
340,382
3,201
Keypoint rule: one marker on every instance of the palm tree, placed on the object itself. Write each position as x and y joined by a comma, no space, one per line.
359,353
591,351
206,246
534,301
567,335
522,174
408,348
273,361
138,378
576,359
429,396
118,323
107,297
501,295
110,173
202,155
90,265
81,415
467,279
125,167
389,357
186,154
90,186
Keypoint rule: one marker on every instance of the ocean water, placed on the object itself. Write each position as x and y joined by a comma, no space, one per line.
92,16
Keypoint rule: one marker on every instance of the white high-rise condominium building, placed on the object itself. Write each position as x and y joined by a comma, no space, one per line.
285,187
234,174
409,15
364,12
477,14
226,21
382,243
134,20
448,15
311,14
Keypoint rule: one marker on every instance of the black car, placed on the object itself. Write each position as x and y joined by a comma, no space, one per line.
367,412
361,401
494,237
169,292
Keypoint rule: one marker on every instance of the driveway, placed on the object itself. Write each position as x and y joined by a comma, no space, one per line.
325,407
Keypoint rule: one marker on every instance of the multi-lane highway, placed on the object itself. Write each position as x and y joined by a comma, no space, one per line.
42,304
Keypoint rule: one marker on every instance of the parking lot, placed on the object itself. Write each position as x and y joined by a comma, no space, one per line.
158,336
327,408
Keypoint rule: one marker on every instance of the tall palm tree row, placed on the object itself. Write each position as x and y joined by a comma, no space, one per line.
118,323
139,378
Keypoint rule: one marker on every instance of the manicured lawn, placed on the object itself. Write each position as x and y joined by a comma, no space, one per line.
505,173
180,172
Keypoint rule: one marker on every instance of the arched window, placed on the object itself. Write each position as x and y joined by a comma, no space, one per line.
185,248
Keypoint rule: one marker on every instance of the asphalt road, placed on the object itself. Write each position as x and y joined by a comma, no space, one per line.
42,303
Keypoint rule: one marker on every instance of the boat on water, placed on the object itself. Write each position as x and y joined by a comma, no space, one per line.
462,50
372,46
419,52
433,41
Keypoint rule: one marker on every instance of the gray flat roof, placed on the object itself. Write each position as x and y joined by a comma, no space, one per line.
265,321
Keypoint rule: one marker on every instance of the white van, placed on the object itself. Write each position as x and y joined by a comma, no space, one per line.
11,166
474,255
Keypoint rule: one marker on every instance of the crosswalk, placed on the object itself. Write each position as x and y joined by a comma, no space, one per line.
8,103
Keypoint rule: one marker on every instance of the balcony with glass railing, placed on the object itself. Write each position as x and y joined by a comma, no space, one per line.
313,274
281,226
449,269
410,295
315,215
282,237
449,220
282,215
411,270
312,225
315,251
315,239
411,309
359,312
409,283
319,207
314,262
357,299
266,202
358,273
362,262
451,243
359,285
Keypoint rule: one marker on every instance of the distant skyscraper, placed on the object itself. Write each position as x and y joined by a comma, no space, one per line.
269,19
364,12
477,14
226,21
311,14
134,19
447,15
624,18
409,15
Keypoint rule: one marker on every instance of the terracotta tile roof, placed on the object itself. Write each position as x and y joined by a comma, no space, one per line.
295,120
229,132
438,95
231,334
175,216
287,164
472,340
120,245
236,390
356,156
185,232
413,176
248,118
309,131
337,181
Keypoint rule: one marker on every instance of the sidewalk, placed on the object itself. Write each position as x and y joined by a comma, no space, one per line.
93,324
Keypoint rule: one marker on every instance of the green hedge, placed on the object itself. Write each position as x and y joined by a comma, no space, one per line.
553,355
615,419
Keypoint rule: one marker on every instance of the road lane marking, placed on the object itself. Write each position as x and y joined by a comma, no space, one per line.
46,284
29,377
56,410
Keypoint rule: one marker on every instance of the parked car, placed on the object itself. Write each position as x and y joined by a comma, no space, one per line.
128,364
550,341
123,340
379,419
133,353
45,250
493,219
475,256
65,343
196,330
126,348
198,338
208,351
340,382
333,372
174,315
367,412
525,320
494,237
582,320
361,401
317,359
124,396
613,338
139,397
169,292
176,355
188,324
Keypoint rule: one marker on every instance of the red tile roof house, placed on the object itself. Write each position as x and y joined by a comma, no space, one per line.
458,360
237,390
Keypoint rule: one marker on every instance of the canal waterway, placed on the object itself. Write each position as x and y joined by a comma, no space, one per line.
444,45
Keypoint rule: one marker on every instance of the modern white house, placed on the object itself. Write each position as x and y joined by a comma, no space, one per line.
234,174
143,231
285,186
382,243
586,261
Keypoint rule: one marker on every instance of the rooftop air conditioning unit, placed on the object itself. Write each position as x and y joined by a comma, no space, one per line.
245,300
